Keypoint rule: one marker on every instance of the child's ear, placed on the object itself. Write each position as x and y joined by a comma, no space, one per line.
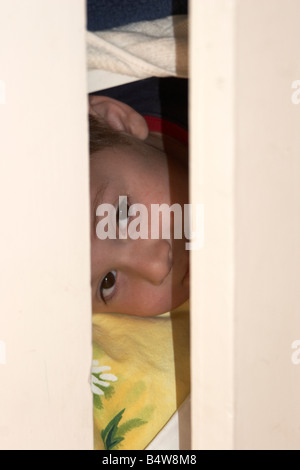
119,116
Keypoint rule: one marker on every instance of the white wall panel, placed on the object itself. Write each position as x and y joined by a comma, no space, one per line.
45,313
245,155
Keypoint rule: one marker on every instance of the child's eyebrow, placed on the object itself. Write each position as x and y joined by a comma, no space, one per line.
97,201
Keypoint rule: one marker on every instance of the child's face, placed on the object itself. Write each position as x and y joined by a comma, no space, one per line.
144,276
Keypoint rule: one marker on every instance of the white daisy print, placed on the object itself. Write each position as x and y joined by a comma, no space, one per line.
100,378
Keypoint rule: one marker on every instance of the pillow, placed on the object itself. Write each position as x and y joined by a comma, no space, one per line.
140,376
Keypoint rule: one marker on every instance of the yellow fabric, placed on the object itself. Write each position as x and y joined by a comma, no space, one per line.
140,376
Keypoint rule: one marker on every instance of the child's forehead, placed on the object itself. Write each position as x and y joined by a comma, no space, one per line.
121,160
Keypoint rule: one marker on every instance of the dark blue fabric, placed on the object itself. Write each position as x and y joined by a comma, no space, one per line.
159,97
106,14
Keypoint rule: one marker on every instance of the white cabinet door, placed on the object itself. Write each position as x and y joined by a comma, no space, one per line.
245,168
45,312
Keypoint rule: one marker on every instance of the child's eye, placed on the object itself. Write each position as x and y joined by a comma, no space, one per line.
107,285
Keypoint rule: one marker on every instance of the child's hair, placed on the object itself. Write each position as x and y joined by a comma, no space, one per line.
101,135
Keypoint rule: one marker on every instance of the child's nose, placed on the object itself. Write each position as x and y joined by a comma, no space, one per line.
149,259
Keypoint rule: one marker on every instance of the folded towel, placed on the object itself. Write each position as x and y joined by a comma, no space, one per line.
140,376
143,49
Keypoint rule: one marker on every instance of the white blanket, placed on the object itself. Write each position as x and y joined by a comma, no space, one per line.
144,49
